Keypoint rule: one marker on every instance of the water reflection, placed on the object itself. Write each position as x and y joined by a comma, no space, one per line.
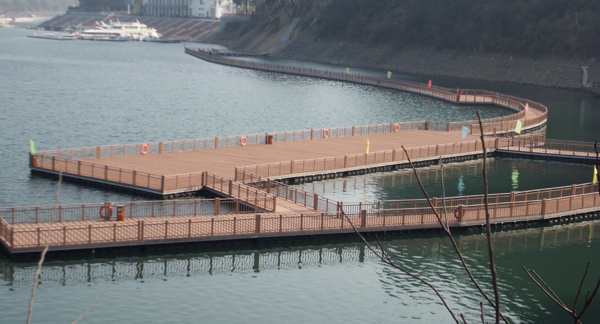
504,175
423,248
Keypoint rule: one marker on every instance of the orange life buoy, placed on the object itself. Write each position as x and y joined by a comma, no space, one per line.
110,212
145,149
243,141
456,212
396,128
326,133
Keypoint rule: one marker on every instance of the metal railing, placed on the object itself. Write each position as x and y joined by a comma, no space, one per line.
556,147
174,229
464,96
521,196
273,170
133,210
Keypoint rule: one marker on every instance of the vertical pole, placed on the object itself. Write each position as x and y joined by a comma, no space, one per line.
257,224
363,218
98,152
544,207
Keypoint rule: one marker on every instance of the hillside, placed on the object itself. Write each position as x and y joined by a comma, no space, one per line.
543,42
19,8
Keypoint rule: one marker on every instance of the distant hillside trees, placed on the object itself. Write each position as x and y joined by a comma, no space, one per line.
532,27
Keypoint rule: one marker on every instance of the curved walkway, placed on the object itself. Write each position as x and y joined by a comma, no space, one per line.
148,166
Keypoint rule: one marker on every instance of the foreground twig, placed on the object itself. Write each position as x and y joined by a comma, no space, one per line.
87,311
447,231
537,279
43,256
386,259
488,227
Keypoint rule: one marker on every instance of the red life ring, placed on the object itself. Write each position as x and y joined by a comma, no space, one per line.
326,133
456,212
145,149
243,141
396,128
110,212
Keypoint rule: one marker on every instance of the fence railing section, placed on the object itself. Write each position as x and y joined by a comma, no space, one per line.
151,148
465,96
250,195
175,229
246,174
557,147
131,210
453,202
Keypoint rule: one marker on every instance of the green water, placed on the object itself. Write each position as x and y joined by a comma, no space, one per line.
77,94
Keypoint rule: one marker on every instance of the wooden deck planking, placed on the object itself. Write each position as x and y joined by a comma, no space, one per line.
223,161
89,234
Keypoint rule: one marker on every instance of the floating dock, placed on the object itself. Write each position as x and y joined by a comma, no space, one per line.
254,171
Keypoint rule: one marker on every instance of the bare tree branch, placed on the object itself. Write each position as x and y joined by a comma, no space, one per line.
385,258
447,231
87,311
587,269
43,255
488,226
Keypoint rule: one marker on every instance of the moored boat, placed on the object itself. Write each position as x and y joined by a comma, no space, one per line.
54,36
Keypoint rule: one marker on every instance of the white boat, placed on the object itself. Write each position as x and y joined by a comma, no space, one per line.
131,30
54,36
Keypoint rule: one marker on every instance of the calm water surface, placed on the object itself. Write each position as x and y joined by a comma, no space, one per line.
73,94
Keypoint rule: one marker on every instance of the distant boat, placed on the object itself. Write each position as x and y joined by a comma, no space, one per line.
161,40
55,36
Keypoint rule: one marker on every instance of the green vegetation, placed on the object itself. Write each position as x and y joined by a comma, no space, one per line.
530,27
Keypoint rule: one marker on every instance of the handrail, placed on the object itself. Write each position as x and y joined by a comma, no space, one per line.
132,210
173,229
466,96
279,169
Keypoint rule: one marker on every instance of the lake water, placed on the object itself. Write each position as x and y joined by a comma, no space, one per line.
73,94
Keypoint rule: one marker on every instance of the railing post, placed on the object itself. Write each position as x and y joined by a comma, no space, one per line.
134,175
312,134
544,207
461,211
230,188
160,147
162,184
316,202
217,206
257,222
216,142
363,218
345,161
353,130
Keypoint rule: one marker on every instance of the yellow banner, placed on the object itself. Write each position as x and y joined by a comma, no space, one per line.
595,175
389,74
518,128
347,70
368,145
32,146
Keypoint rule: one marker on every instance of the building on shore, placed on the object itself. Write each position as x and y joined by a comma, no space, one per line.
188,8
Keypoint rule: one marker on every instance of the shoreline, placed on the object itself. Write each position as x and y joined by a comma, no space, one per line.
550,72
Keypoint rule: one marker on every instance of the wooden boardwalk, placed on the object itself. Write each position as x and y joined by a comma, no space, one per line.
217,164
100,234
